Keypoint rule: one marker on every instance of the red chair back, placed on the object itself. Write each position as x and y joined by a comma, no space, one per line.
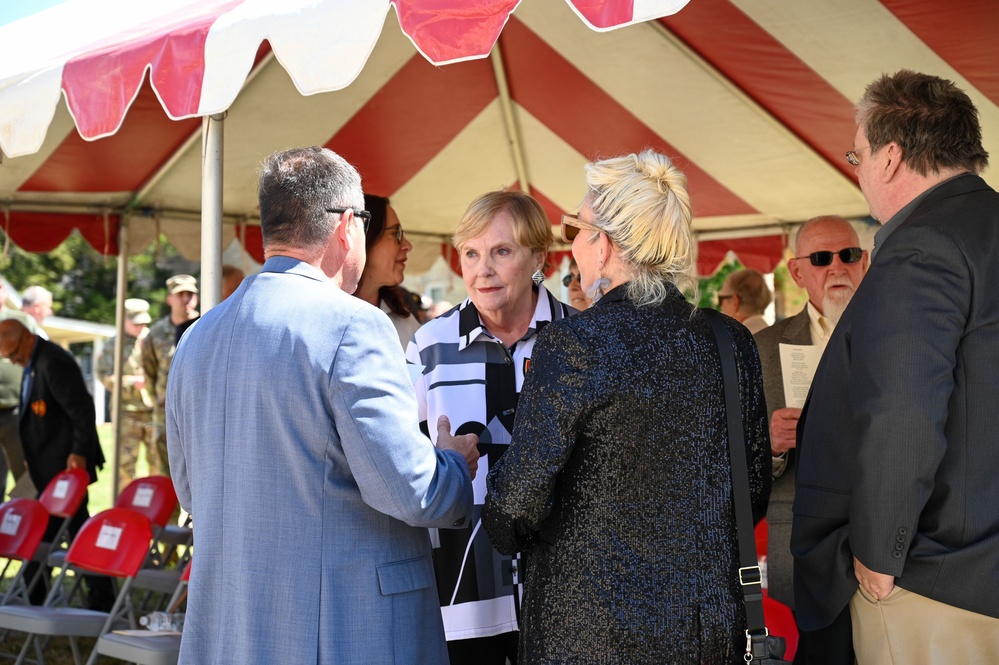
186,575
113,542
22,525
65,492
153,496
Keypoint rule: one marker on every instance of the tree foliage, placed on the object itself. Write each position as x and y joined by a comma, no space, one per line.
83,282
708,287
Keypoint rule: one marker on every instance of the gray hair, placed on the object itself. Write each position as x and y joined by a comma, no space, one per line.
34,294
297,188
642,204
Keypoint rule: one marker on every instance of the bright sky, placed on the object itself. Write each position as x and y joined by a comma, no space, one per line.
11,10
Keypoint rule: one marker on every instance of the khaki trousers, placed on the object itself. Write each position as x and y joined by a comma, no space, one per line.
908,629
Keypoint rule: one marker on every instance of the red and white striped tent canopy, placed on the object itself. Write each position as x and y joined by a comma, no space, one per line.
752,98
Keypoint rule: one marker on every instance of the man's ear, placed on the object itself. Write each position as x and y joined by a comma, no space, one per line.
894,162
795,270
343,229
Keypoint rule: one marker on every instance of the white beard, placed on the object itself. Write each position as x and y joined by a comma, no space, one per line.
834,304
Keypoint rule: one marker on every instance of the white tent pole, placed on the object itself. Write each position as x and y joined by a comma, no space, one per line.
119,348
211,211
512,131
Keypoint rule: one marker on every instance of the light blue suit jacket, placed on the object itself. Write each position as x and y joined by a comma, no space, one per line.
293,440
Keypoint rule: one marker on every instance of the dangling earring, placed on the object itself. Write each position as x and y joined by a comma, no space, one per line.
596,290
538,277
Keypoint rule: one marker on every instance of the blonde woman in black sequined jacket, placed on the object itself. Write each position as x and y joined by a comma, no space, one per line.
617,486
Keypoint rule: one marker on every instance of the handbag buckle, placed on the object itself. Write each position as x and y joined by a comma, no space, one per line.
750,654
750,575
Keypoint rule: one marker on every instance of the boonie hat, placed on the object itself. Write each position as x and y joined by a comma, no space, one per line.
137,311
182,284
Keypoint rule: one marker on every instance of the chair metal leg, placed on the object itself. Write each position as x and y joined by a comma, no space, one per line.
39,651
93,653
76,650
24,650
39,577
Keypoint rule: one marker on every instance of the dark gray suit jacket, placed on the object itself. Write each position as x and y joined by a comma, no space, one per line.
792,330
899,441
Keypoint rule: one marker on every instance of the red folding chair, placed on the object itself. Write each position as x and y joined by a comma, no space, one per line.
113,542
61,498
154,497
63,495
151,648
22,526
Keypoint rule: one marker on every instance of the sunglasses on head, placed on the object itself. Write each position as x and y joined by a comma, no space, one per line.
825,257
571,225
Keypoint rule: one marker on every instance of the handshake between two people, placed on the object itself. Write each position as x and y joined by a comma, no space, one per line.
465,444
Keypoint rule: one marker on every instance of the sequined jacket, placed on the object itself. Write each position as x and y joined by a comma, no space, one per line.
617,488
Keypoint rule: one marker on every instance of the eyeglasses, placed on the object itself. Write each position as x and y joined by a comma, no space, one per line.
397,231
567,280
363,214
824,258
853,157
721,299
571,225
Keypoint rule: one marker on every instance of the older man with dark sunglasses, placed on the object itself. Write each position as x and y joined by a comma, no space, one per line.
829,264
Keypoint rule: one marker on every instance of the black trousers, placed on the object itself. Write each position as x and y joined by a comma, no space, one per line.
493,650
100,590
832,645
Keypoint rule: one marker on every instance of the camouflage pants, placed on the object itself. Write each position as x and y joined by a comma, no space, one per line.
160,442
136,430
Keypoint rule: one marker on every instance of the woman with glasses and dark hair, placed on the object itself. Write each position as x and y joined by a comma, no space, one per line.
386,247
474,360
577,298
617,486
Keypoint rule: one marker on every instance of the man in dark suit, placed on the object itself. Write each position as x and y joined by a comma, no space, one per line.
898,455
829,264
58,431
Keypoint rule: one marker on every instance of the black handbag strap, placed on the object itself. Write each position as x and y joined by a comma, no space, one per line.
750,576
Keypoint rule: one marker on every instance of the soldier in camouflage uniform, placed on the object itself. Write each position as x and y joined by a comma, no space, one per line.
136,403
157,353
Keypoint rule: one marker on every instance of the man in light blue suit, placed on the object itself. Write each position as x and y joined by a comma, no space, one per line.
293,441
